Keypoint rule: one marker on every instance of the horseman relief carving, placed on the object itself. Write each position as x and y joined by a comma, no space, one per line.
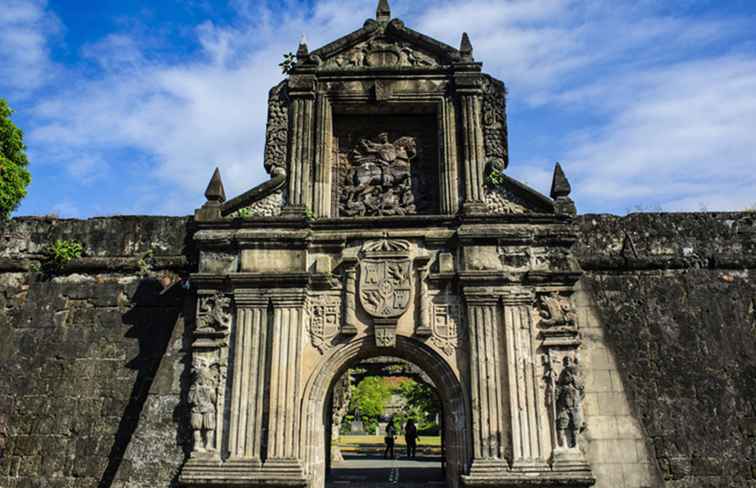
378,180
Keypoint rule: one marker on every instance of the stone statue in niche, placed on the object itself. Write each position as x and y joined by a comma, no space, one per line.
378,181
202,400
214,313
570,390
556,310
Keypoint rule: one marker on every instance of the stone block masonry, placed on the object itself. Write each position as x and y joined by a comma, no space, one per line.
93,360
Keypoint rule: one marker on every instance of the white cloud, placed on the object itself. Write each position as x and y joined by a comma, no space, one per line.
25,27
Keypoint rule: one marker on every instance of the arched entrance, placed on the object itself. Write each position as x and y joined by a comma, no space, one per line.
456,423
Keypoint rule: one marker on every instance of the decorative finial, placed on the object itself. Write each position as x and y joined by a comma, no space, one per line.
383,12
560,187
303,51
465,48
215,191
560,192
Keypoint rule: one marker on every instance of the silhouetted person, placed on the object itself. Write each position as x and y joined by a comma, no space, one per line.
390,433
410,436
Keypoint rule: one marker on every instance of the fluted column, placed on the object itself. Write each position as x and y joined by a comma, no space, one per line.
449,175
285,375
302,92
248,381
486,385
530,425
468,85
321,204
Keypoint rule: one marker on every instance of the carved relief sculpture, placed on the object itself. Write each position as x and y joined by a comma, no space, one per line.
378,180
214,313
446,327
277,132
385,285
381,52
556,310
570,390
202,401
325,319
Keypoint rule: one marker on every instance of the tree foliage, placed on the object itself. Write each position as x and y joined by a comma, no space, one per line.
14,176
370,396
420,402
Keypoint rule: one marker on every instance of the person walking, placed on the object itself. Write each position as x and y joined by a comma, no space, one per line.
410,436
390,434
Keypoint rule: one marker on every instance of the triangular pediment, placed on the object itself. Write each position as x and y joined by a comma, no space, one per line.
385,45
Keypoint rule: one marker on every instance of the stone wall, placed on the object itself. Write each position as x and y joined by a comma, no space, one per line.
92,358
671,342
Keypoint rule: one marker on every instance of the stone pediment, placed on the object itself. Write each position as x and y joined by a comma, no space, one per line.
384,45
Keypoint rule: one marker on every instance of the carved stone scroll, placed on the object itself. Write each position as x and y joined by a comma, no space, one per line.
379,52
214,313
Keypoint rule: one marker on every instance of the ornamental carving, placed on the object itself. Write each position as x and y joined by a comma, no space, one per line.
378,180
214,313
325,319
556,311
385,286
379,52
446,325
495,121
277,132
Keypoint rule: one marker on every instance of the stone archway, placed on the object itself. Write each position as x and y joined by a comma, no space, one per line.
455,404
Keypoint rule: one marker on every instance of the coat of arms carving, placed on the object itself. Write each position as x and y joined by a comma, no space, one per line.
325,316
446,327
386,278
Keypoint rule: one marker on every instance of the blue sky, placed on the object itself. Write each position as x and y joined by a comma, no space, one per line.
127,106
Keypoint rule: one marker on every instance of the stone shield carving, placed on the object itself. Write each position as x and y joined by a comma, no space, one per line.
446,327
385,286
325,318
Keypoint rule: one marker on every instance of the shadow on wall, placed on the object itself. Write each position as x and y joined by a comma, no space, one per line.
152,318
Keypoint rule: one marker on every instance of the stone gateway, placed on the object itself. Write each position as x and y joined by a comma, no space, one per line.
396,234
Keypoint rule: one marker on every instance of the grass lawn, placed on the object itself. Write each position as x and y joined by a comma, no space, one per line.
352,440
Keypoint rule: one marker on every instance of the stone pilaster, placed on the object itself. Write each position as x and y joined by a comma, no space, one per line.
529,418
248,380
474,152
323,174
349,326
486,386
449,171
285,376
302,92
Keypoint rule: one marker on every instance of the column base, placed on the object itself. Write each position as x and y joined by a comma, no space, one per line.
202,473
284,472
570,460
530,465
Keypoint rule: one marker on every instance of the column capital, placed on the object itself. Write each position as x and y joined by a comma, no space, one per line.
518,297
288,298
245,299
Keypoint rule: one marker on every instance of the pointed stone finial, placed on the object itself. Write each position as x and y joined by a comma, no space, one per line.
215,191
303,51
560,192
465,48
560,187
383,12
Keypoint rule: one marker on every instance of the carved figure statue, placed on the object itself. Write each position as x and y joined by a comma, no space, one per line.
570,390
379,179
556,310
202,399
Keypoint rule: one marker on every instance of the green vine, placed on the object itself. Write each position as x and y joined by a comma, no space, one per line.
288,63
309,214
495,178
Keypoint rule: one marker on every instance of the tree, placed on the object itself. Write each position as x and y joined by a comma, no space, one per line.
370,396
14,177
420,400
